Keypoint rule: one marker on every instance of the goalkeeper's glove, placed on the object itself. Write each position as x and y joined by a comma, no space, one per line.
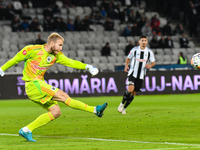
94,71
1,72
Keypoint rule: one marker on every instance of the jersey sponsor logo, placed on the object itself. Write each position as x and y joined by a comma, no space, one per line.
39,68
53,88
48,59
24,52
141,60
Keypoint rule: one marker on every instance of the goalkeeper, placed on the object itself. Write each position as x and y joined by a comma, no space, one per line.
37,59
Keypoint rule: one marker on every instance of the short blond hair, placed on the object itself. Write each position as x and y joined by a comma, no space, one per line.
54,37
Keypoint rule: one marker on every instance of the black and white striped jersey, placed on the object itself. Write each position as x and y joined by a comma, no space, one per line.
139,58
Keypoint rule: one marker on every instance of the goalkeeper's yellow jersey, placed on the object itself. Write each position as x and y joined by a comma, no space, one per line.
37,61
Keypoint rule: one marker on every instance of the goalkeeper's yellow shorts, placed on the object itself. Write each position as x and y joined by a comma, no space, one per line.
41,93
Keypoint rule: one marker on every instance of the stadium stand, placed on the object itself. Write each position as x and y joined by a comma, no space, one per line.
85,42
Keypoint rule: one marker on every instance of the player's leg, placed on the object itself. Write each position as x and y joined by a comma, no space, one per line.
128,93
64,97
40,93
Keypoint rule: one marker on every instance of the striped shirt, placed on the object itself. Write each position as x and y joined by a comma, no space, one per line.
139,58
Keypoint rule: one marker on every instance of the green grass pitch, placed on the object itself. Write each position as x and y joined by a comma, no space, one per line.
159,122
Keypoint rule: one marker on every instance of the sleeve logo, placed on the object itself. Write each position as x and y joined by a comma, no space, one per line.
24,52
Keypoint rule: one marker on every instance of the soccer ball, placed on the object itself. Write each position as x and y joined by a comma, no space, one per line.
195,61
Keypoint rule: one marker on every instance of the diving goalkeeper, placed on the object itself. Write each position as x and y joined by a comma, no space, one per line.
37,59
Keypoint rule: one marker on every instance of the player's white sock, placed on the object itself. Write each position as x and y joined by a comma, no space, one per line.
25,129
95,111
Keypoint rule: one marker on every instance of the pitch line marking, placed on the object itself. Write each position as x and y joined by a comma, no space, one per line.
107,140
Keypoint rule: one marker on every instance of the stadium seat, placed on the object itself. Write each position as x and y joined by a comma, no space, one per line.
167,59
120,52
95,60
71,54
88,46
113,46
113,53
110,67
89,53
80,46
102,67
96,53
61,68
160,51
103,59
168,51
87,60
159,59
18,69
80,53
121,46
111,59
3,54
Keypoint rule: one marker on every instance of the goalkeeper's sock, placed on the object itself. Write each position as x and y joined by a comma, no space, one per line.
40,121
80,105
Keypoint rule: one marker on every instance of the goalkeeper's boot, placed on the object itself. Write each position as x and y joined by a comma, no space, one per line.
120,108
100,109
27,135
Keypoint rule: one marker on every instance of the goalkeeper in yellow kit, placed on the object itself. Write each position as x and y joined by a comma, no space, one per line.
37,59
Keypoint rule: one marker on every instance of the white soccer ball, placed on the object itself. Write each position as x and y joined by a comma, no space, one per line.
195,61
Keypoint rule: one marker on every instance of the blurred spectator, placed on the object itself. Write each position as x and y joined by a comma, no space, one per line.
182,60
63,25
135,30
47,24
56,24
105,51
142,22
97,18
39,40
103,12
35,26
136,43
183,41
133,17
86,24
169,42
167,29
127,31
25,25
77,24
48,12
70,26
109,25
104,5
153,42
141,12
10,12
15,24
156,29
117,11
193,19
146,30
128,48
155,22
179,29
161,42
17,5
5,3
110,11
25,12
2,13
55,9
124,16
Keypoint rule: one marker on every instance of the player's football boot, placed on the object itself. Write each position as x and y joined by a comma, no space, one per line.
120,108
100,109
27,135
124,111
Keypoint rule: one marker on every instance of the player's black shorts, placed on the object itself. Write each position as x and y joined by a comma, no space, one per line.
136,82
